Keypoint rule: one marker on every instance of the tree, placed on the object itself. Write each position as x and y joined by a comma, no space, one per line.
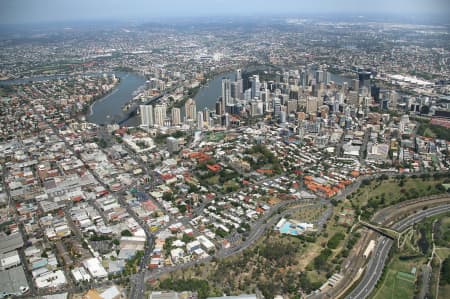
335,240
445,272
167,196
186,238
181,208
126,233
425,109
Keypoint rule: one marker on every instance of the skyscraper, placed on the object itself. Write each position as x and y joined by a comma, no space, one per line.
200,120
146,112
160,115
219,107
226,91
191,109
319,76
206,116
283,116
176,116
235,94
276,107
240,84
238,74
364,79
355,85
303,79
226,120
255,85
311,105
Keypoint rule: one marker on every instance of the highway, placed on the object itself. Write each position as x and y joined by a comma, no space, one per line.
380,254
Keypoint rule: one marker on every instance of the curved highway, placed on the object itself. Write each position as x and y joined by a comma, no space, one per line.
380,254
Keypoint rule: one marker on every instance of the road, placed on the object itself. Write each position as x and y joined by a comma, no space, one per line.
264,223
138,287
380,254
356,261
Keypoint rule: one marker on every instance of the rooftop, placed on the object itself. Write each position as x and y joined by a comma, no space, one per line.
12,280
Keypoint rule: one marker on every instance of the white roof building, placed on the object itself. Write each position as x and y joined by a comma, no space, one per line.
111,293
176,254
51,279
95,268
191,246
9,260
206,243
80,274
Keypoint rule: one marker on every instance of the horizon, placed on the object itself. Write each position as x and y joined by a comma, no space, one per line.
25,12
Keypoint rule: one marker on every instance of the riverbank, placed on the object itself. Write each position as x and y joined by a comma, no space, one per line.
108,109
104,97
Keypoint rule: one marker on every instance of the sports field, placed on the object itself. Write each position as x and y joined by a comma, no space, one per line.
397,285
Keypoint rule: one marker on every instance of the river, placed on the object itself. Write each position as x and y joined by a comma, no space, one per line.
208,95
109,108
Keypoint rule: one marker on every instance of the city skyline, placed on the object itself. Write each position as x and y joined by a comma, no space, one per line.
30,12
192,149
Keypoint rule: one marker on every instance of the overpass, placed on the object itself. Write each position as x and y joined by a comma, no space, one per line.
389,232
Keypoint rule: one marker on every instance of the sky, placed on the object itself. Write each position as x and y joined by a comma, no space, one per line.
45,11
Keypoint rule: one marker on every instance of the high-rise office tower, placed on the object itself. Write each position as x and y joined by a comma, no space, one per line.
353,98
393,99
235,94
256,108
283,116
238,74
311,105
276,107
303,81
206,116
364,79
226,120
355,85
200,120
176,116
240,84
146,112
292,106
255,85
319,76
219,106
294,93
190,108
160,114
226,91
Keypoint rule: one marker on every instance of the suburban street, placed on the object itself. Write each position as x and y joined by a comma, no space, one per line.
258,229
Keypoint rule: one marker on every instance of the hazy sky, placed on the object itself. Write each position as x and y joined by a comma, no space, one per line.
35,11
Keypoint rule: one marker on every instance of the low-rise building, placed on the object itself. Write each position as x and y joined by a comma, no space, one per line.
9,260
95,268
